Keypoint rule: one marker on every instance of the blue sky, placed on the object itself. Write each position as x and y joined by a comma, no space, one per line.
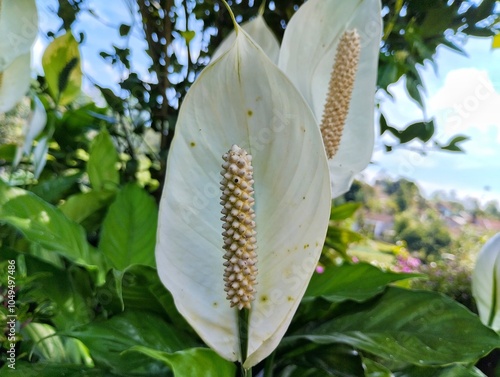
463,95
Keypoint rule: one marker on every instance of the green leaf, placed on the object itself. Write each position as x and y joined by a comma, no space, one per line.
108,339
420,130
344,211
188,35
452,144
194,362
115,102
41,223
48,346
80,207
52,190
70,292
374,369
449,371
496,41
101,166
48,369
417,327
61,64
335,360
124,30
358,282
129,229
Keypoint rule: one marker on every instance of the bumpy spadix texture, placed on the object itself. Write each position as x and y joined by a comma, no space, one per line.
340,91
239,227
243,98
486,283
307,52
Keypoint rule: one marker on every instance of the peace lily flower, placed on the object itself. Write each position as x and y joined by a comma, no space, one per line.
246,203
486,283
18,28
342,99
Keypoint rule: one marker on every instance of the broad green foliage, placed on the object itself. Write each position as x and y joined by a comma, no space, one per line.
78,212
192,362
102,164
357,282
420,328
43,224
62,67
129,229
107,340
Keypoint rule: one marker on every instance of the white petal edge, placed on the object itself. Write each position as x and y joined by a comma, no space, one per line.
18,28
14,82
486,268
258,30
34,126
307,56
242,98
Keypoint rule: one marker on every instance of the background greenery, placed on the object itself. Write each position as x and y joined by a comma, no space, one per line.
78,215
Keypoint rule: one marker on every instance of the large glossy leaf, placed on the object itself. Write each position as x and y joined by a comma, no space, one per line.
334,360
53,189
422,328
129,228
61,64
243,99
18,28
449,371
139,288
358,282
307,56
81,206
14,82
40,222
107,340
101,167
48,369
193,362
70,292
48,346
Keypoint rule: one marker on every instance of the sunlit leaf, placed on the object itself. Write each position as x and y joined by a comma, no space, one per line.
107,340
357,282
61,64
129,230
192,362
101,167
417,327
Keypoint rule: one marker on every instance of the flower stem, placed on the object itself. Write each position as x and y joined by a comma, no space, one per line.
243,316
232,15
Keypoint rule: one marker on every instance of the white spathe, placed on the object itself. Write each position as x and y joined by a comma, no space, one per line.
307,56
14,82
261,34
486,283
33,128
243,98
18,28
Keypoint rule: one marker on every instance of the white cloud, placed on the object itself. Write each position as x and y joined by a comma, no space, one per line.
467,102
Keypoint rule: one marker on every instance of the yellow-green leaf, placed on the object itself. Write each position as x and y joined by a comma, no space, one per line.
496,41
61,64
